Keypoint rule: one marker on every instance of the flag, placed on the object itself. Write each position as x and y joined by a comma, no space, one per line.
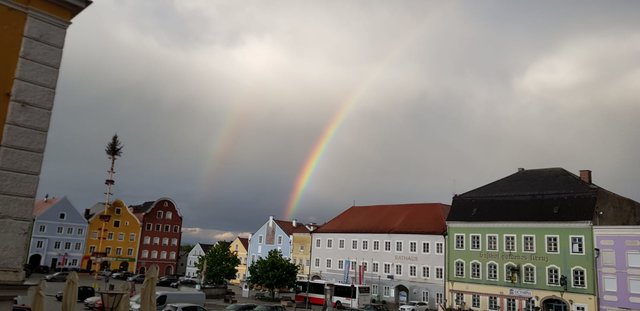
346,271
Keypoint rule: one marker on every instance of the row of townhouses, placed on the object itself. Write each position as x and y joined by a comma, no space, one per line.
539,239
120,237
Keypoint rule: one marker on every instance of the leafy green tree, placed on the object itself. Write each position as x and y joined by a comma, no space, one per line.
273,272
221,264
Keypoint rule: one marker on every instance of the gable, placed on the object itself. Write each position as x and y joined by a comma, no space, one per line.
71,214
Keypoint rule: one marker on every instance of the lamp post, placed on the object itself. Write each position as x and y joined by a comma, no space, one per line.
111,299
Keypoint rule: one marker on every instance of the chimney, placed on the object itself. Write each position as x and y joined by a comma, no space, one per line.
294,223
585,175
87,212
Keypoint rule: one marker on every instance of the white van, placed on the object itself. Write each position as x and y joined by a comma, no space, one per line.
165,298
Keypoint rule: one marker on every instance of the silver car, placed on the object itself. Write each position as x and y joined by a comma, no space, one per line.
183,307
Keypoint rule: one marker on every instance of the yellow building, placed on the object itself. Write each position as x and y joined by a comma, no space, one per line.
112,238
240,246
301,253
32,35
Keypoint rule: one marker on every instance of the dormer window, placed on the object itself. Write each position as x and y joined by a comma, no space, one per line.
159,215
62,216
118,211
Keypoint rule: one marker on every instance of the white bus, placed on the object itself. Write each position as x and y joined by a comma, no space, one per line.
344,295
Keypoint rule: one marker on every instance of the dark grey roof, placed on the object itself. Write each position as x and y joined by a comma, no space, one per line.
142,208
206,247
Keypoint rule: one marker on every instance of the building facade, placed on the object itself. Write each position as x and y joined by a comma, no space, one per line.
239,247
112,238
301,250
32,36
618,262
58,236
193,258
160,235
399,250
526,241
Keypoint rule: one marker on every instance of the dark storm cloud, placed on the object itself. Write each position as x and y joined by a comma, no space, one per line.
219,103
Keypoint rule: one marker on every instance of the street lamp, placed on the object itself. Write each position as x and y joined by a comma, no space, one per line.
111,299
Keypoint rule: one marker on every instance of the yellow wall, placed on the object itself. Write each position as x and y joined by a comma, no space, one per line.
128,224
237,248
11,31
301,250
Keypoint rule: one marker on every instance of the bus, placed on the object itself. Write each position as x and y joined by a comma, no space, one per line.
344,295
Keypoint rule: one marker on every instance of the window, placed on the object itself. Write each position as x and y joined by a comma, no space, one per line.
376,245
329,243
42,228
365,245
116,223
354,244
329,263
129,251
165,241
509,243
120,236
77,246
578,277
159,214
529,274
475,242
475,301
317,243
413,271
74,262
69,230
154,254
163,255
529,305
168,215
439,273
374,289
577,246
92,249
386,291
158,227
107,250
387,246
167,228
633,260
459,298
260,239
80,231
176,228
399,246
132,237
413,247
610,283
60,230
552,244
475,270
634,286
317,262
174,242
172,255
439,248
375,267
425,272
459,268
493,303
119,251
553,275
110,236
156,240
492,242
279,240
341,244
492,271
425,296
149,227
459,241
386,268
425,247
39,244
511,304
118,211
302,248
340,264
528,244
439,298
147,240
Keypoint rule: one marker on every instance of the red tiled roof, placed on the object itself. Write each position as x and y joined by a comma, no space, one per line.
288,228
418,218
42,205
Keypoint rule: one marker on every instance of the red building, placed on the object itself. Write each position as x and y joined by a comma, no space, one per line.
160,235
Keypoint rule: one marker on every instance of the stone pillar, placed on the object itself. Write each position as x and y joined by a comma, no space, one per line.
35,34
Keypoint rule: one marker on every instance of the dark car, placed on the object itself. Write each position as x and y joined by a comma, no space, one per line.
57,277
184,282
269,308
41,269
241,307
138,278
375,307
166,280
84,292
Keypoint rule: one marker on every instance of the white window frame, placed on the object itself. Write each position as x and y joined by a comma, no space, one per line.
439,248
524,274
365,245
387,243
414,245
413,271
497,270
455,268
573,279
426,269
524,243
478,240
546,273
427,249
546,243
582,244
375,245
439,270
497,244
458,241
341,244
399,246
515,243
477,264
354,244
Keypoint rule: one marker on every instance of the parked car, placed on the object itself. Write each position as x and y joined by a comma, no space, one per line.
269,308
41,269
184,282
241,307
375,307
121,275
57,277
414,306
166,280
84,292
183,307
90,302
138,278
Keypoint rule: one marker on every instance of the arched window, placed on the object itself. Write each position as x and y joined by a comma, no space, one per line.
459,268
553,275
492,271
476,270
529,274
579,277
145,253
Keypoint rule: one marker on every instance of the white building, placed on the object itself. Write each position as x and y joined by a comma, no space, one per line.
192,260
397,249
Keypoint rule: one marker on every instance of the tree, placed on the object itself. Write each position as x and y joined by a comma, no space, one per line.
185,248
273,272
114,149
221,264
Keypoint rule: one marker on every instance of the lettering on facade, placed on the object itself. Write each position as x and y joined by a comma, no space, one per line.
511,256
406,258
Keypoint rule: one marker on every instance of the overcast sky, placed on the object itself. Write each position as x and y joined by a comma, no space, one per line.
220,104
